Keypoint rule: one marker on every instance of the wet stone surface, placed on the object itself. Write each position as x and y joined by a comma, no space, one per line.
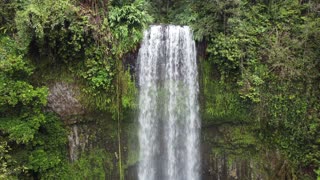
62,99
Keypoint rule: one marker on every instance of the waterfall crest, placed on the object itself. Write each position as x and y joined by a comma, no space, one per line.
169,124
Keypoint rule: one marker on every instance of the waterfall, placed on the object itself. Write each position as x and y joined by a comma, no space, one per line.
169,123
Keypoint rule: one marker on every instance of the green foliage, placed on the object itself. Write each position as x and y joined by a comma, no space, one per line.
126,24
17,95
182,13
43,155
12,65
260,54
84,38
226,53
7,12
293,126
36,17
48,148
213,16
129,91
34,136
318,174
6,162
3,159
98,72
221,102
97,164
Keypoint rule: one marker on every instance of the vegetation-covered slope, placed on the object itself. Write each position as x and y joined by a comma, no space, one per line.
261,61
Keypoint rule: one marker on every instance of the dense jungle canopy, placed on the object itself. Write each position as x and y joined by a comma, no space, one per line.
259,63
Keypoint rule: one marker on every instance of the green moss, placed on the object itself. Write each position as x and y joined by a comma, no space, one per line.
96,164
238,147
222,102
46,72
132,145
129,91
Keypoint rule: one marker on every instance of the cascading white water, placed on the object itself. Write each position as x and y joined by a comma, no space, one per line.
168,105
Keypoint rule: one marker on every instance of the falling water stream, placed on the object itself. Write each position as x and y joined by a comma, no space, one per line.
169,124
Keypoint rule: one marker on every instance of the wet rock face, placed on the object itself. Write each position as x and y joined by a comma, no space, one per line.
78,139
62,99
